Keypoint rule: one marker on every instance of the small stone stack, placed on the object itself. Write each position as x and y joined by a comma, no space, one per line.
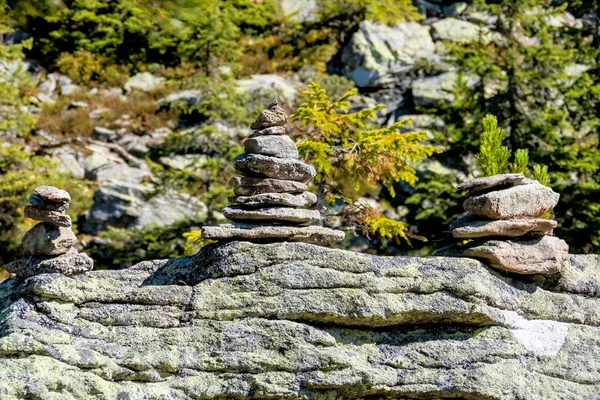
271,199
509,206
49,245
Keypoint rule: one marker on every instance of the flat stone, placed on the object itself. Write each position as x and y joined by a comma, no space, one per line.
70,263
495,182
276,199
531,200
307,234
471,226
39,202
52,217
54,194
284,214
273,115
543,255
276,146
273,130
45,239
253,186
273,167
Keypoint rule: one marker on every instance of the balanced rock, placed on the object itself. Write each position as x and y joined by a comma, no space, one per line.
253,186
51,193
532,200
273,130
276,146
46,239
69,263
472,226
308,234
273,115
53,217
273,167
39,202
279,214
276,199
495,182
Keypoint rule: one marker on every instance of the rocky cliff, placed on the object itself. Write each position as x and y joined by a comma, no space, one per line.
291,320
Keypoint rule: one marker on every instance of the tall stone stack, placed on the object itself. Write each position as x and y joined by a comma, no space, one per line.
49,245
271,200
507,224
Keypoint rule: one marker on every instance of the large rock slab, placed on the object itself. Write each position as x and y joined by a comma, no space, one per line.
277,214
296,321
46,239
273,167
69,264
471,226
303,199
543,255
531,200
494,182
239,231
255,186
276,146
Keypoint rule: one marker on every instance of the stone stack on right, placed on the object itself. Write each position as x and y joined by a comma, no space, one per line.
508,225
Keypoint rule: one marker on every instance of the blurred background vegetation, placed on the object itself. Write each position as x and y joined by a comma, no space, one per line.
138,107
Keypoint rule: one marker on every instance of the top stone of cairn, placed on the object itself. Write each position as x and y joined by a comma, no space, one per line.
271,116
53,194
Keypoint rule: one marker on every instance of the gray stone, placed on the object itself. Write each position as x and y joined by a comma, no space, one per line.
471,226
308,234
45,239
257,86
455,9
276,146
543,255
494,182
182,98
531,200
253,186
54,194
300,10
297,321
274,130
435,89
56,218
279,214
273,115
456,30
143,81
303,199
273,167
39,202
104,134
71,263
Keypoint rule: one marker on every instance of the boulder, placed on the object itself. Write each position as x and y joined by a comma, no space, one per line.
274,130
303,199
69,264
56,218
277,214
308,234
182,98
254,186
457,30
276,146
266,84
53,194
45,239
297,321
471,226
273,167
300,10
376,49
143,81
542,255
432,90
531,200
494,182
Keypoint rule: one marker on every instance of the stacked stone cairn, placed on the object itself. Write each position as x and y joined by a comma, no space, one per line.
49,245
271,201
507,225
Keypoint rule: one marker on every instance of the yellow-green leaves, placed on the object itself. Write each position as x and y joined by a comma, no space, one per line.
493,157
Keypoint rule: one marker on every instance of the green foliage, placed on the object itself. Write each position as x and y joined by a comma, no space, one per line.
20,173
493,157
349,147
520,165
540,173
15,81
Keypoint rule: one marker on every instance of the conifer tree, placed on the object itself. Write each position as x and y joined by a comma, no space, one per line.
349,152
